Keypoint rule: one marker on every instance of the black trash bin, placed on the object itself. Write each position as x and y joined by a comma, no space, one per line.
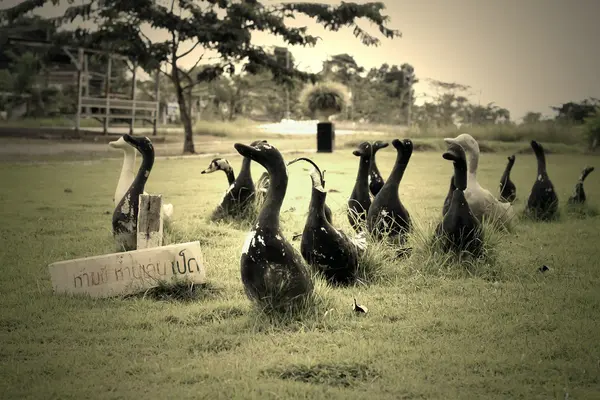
325,137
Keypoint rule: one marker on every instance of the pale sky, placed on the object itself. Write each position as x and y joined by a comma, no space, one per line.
524,55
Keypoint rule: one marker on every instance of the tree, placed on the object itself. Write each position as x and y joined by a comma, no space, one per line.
223,27
577,112
532,117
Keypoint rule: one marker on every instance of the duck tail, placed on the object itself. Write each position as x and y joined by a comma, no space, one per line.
168,211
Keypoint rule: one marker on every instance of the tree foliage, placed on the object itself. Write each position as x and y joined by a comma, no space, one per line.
577,112
223,27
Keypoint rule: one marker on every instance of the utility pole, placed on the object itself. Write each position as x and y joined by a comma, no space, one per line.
287,90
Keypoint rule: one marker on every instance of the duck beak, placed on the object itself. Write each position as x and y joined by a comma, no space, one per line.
116,144
454,152
292,162
245,150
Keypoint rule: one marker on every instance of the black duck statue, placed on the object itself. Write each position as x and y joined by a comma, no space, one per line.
326,249
459,230
241,192
360,199
508,190
543,200
273,273
578,196
125,216
375,179
387,215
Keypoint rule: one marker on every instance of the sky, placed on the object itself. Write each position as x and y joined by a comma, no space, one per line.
523,55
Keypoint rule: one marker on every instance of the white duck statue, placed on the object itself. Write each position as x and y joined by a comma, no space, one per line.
481,201
128,174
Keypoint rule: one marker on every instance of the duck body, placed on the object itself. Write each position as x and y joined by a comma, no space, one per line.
376,181
448,199
127,175
508,190
387,216
578,196
360,199
542,203
459,229
124,220
481,201
273,273
326,249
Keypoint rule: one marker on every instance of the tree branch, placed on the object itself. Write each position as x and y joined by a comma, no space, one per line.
197,62
189,51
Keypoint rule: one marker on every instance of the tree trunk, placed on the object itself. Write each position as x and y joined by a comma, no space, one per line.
184,114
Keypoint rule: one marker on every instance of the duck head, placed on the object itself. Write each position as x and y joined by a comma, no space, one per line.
263,153
316,175
511,159
364,149
456,154
119,144
140,143
218,164
257,142
466,141
404,147
537,148
378,145
470,146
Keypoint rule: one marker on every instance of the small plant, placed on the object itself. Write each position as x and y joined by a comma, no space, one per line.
378,263
428,257
581,211
309,311
325,99
243,216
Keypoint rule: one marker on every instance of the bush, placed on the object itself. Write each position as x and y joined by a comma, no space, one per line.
325,98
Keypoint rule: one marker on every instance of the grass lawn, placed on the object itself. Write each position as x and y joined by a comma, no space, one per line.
506,331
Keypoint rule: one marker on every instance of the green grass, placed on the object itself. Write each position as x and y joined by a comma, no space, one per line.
494,329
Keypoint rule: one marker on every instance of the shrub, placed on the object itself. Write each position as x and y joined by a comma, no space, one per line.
324,98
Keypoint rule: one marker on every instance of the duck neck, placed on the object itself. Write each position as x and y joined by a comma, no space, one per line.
230,175
473,163
541,162
506,173
363,172
143,173
316,209
398,170
127,174
245,171
460,175
373,166
458,199
269,214
452,187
